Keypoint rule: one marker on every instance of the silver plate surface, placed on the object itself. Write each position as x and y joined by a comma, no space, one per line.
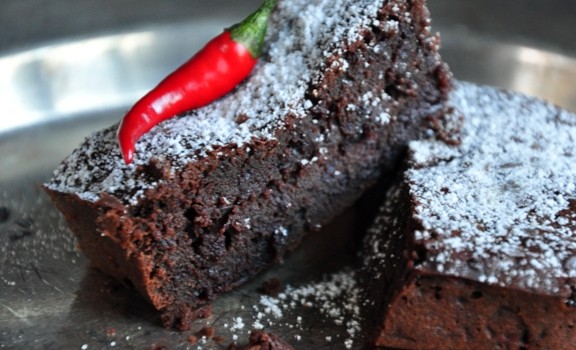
75,66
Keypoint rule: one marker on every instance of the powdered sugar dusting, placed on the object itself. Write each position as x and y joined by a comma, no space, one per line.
501,208
302,35
335,298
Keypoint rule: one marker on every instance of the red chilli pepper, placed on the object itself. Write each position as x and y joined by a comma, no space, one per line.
213,72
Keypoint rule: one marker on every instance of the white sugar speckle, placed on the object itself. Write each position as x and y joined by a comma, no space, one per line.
237,324
281,231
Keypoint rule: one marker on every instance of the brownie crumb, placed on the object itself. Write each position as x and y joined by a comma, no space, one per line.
22,228
260,340
218,339
272,287
188,316
25,224
18,235
4,214
242,118
207,332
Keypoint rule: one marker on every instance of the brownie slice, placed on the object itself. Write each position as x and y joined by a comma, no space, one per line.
475,248
218,194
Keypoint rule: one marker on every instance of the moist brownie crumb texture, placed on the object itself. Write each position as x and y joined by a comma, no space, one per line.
477,242
216,195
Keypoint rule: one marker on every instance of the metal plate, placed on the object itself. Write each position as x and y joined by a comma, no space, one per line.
52,95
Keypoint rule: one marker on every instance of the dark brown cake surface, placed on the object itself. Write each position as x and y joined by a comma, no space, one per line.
476,247
216,195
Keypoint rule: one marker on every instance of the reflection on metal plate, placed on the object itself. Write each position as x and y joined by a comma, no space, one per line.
53,96
529,70
95,74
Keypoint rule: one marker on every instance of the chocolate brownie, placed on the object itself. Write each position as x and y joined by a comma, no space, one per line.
475,247
218,194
